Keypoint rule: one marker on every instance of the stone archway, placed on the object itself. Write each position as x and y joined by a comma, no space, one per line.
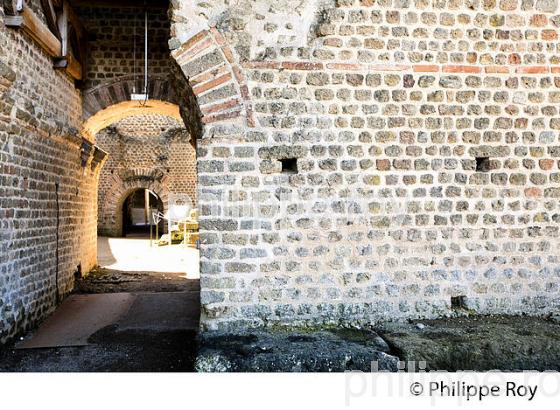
211,90
215,78
206,82
136,222
110,210
118,90
125,109
217,109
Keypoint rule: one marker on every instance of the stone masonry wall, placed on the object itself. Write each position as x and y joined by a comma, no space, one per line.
148,151
40,150
373,159
111,35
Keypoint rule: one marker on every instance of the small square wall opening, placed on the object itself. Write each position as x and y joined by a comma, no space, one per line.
289,165
458,302
482,164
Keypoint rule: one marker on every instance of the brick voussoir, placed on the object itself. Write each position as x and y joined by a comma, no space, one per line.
238,73
222,106
218,37
195,51
187,45
93,103
221,117
208,75
224,110
209,85
228,54
90,104
120,92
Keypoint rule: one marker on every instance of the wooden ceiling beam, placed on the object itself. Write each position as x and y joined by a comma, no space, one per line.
75,21
62,24
50,15
28,21
68,24
79,35
71,65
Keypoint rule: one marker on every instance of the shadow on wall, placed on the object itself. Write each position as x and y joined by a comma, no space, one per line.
137,214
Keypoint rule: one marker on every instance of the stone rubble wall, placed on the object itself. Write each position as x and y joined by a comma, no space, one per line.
426,136
40,113
145,151
111,35
112,71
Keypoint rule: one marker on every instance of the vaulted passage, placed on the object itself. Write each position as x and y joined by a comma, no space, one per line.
150,152
137,211
330,163
121,207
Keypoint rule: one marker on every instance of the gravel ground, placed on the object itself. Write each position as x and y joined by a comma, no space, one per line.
104,280
480,343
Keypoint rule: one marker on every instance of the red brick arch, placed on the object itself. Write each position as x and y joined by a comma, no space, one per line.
118,90
215,77
210,74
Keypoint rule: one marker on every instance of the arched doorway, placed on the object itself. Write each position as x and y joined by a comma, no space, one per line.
137,214
149,151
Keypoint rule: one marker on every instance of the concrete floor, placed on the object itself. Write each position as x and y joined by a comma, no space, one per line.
157,333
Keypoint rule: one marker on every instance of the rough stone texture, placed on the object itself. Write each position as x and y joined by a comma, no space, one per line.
148,151
112,71
113,74
112,32
326,351
477,343
382,213
339,151
40,111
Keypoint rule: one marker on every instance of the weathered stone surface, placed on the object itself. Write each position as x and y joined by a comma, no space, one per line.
282,351
386,112
145,152
478,343
547,6
363,124
48,197
7,76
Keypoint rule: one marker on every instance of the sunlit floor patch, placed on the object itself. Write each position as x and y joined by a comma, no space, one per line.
136,255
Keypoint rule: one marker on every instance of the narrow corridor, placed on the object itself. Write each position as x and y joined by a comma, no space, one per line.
120,320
